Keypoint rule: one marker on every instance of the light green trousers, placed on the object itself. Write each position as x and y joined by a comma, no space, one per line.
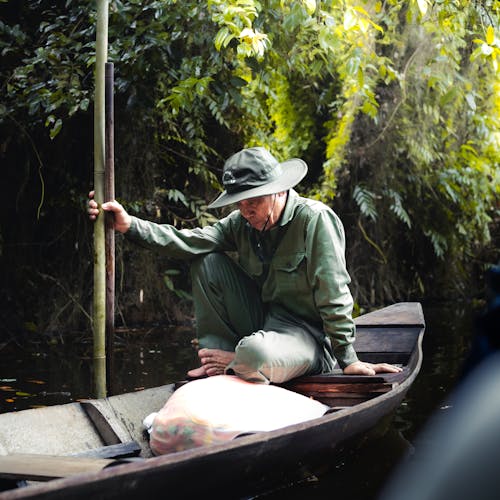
270,344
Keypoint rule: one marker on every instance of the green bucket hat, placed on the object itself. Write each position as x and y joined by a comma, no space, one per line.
256,172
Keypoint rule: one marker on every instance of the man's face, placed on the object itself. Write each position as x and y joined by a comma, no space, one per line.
256,210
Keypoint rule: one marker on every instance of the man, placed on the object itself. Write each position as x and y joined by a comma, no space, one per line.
284,309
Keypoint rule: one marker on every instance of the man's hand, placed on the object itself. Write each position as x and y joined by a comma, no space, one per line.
122,218
363,368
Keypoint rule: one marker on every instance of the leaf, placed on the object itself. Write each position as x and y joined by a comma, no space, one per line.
365,200
490,35
352,66
223,37
398,209
422,5
361,78
364,24
56,128
471,101
365,21
310,6
169,283
176,195
376,26
84,104
476,53
238,82
438,241
350,20
172,272
469,148
361,10
449,97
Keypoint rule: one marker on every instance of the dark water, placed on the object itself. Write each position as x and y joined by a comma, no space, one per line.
47,371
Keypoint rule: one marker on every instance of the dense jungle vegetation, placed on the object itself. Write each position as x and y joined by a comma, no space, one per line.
395,106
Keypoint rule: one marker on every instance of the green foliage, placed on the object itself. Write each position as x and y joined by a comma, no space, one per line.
397,207
411,118
45,68
365,200
395,105
168,277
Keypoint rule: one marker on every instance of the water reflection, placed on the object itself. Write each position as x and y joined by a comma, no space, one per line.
448,335
48,372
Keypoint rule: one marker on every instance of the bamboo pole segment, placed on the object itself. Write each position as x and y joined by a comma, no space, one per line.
99,309
109,194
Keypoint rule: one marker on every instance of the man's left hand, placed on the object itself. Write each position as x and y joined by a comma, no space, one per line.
363,368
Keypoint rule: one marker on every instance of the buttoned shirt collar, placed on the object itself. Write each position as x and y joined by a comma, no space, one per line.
289,209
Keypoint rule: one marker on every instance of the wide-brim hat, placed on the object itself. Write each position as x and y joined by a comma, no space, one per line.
256,172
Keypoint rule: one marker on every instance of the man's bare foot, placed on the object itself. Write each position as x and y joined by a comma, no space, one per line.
213,362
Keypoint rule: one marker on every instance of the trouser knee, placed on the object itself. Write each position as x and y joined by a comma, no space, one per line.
253,351
268,356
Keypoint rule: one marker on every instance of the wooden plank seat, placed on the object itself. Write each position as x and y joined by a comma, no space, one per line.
31,467
337,390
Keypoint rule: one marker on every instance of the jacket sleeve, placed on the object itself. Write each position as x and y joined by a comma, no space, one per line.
325,249
181,243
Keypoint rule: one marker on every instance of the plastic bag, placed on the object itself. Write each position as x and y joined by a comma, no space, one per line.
217,409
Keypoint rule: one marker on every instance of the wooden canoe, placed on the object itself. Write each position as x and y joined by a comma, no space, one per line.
81,450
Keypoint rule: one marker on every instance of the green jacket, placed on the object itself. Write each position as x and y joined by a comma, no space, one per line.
303,268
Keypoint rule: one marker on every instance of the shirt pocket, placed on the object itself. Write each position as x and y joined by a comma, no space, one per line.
290,272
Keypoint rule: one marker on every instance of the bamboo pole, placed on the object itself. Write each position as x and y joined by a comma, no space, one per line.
109,194
99,309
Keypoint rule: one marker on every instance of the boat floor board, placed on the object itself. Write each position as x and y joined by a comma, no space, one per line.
53,430
68,430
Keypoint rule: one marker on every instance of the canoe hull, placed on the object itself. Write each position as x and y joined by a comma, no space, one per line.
255,463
